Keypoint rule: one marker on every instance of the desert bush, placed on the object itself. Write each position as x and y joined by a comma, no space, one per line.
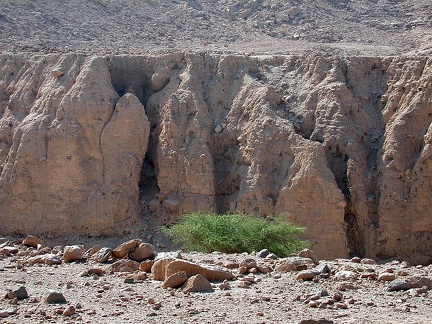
234,233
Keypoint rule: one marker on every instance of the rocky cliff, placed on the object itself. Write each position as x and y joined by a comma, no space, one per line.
341,145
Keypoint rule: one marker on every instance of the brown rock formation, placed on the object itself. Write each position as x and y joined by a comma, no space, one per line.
339,145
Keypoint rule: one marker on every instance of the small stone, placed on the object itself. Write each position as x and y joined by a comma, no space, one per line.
69,311
243,270
345,275
263,268
57,73
103,255
398,284
306,275
367,261
272,256
263,253
355,260
322,268
337,296
341,305
248,263
92,271
123,265
313,303
54,297
218,128
307,253
168,255
197,283
386,276
32,241
225,285
20,293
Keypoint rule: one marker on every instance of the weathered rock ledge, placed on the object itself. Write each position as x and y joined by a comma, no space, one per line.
339,145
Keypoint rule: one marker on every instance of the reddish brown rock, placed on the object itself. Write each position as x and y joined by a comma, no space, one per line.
146,265
158,269
123,265
31,240
142,252
191,269
69,311
123,249
175,280
197,283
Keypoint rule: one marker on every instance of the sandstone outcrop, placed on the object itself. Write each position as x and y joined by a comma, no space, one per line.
338,145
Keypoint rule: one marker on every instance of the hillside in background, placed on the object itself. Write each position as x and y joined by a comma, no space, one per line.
363,27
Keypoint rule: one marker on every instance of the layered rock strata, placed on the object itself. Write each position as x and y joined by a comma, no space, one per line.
339,145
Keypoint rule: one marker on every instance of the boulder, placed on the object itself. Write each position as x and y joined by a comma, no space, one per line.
146,265
73,253
123,249
142,252
158,269
307,253
175,280
55,297
20,293
197,283
103,255
191,269
398,284
32,241
48,259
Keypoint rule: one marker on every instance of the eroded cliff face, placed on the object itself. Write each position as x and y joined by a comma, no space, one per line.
339,145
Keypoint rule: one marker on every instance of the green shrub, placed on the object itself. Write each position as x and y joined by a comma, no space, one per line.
232,233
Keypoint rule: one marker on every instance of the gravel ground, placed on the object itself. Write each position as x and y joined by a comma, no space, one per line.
275,297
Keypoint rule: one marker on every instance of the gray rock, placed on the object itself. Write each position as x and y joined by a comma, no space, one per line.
102,255
55,297
263,253
168,255
272,256
51,259
398,284
320,321
322,268
20,293
7,312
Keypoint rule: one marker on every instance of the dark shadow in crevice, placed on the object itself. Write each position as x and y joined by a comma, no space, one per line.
148,187
338,162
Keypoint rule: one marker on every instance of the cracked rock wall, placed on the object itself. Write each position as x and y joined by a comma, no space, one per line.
339,145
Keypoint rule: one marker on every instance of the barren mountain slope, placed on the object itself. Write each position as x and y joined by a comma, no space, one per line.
353,27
